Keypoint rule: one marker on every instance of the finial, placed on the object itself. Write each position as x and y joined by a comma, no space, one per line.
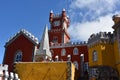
63,9
51,11
67,16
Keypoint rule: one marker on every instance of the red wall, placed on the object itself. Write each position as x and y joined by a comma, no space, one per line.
69,50
20,43
57,34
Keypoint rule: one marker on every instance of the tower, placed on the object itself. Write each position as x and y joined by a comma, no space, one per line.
116,27
59,24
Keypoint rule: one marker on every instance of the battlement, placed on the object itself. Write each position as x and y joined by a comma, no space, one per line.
55,30
62,15
70,44
100,37
116,18
3,67
35,39
5,75
26,33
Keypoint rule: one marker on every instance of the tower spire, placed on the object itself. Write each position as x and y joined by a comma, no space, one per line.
43,52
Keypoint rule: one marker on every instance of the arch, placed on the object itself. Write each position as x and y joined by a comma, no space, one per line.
95,55
18,56
63,52
75,51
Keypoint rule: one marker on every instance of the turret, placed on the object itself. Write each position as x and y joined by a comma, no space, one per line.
51,16
59,24
116,18
63,13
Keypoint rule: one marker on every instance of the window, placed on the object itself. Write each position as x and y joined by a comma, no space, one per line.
55,39
75,51
95,55
76,64
18,56
63,52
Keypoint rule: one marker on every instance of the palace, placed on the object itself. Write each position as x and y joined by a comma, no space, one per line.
55,45
101,52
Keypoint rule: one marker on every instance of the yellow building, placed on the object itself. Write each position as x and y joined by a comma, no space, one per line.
104,53
45,70
101,50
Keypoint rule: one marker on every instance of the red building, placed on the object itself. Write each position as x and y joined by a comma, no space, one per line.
22,47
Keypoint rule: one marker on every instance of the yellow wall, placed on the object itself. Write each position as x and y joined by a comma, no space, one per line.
44,70
96,47
105,55
108,57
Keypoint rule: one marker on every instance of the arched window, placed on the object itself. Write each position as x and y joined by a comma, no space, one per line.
75,51
76,64
63,52
18,56
95,55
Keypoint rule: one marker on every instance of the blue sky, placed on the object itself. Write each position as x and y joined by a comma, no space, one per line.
87,17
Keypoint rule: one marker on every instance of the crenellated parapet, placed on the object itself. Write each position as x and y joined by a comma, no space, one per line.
3,67
59,16
5,75
55,30
116,19
70,44
100,38
24,32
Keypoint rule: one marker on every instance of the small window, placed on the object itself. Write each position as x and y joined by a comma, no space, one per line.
75,51
95,55
63,52
76,64
18,56
55,39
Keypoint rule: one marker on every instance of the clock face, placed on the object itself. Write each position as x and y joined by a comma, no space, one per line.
56,23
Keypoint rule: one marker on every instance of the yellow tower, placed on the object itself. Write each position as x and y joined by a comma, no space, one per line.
101,55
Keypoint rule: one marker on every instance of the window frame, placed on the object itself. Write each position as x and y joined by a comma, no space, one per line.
55,39
75,51
63,52
18,56
95,56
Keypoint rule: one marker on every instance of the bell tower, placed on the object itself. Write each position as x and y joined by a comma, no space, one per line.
59,24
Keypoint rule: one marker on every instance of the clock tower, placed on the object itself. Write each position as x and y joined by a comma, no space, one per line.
59,24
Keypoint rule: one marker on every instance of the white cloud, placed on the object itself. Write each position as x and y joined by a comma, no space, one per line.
94,15
82,31
94,5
